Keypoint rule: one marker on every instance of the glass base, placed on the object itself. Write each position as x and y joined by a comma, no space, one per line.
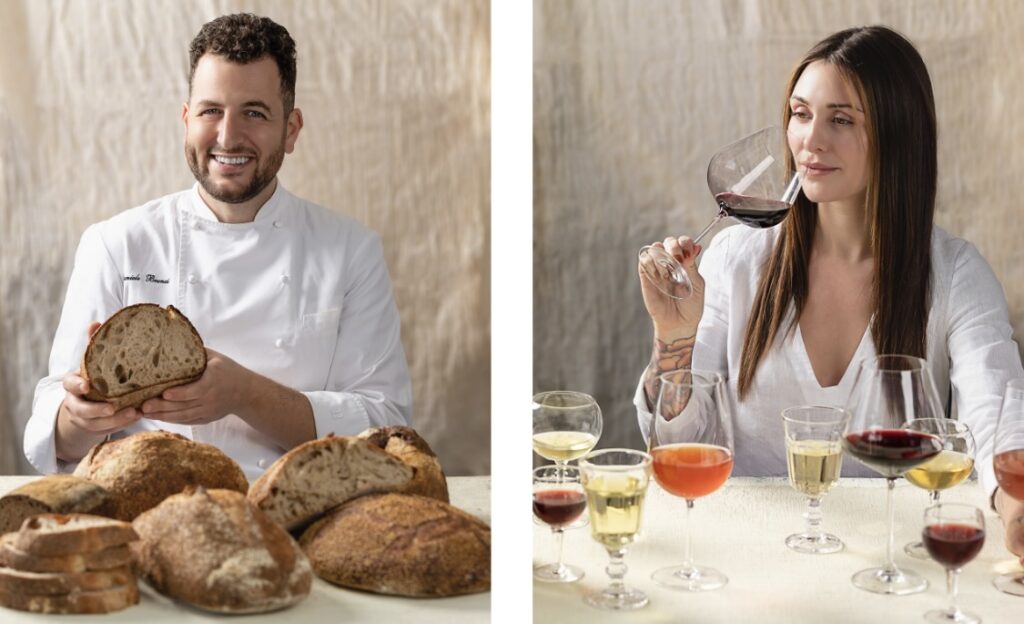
896,582
917,550
960,617
555,573
622,599
1012,584
693,579
820,544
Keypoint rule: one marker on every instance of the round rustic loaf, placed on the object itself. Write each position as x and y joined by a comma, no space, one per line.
143,469
60,494
214,550
401,544
407,445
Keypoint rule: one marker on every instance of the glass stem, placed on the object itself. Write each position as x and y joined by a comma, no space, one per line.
616,571
952,576
933,497
721,215
560,539
813,516
890,512
688,562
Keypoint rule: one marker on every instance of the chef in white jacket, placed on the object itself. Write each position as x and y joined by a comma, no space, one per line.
293,301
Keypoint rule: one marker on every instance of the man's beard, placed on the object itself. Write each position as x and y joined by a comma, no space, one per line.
260,180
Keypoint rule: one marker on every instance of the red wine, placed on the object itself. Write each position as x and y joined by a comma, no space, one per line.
953,545
891,452
558,507
1009,466
753,211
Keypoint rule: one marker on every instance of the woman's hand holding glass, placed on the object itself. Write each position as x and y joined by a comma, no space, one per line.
673,316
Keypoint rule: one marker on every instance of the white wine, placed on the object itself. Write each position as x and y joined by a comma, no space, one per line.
941,472
615,504
563,445
814,465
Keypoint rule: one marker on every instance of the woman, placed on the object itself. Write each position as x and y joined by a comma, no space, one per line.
856,269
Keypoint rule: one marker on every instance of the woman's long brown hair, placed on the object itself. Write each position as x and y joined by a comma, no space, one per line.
893,84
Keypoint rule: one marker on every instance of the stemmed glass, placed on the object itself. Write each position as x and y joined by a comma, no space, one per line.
751,183
566,425
890,391
950,467
694,462
953,534
558,500
814,456
1008,461
615,481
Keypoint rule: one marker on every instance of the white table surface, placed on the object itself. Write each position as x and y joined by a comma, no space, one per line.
740,529
325,603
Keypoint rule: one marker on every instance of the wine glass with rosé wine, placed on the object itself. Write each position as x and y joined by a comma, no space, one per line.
615,481
558,500
814,457
692,457
751,182
889,392
1008,461
953,535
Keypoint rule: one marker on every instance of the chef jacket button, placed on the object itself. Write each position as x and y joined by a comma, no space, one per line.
192,279
262,463
279,343
284,279
277,223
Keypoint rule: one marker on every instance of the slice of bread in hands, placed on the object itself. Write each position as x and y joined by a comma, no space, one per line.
319,475
52,535
139,352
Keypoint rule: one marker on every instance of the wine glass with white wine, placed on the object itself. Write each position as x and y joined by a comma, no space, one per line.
566,425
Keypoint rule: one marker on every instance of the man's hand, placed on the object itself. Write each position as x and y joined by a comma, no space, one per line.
1011,512
81,423
223,389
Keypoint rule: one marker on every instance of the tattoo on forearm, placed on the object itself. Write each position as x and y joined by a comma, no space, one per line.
665,358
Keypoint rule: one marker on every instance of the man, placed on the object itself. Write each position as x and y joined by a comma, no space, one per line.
292,300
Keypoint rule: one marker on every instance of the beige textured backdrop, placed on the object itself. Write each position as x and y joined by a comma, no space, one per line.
632,98
396,98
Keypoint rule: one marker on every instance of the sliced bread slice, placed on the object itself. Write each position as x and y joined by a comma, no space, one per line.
53,494
51,535
102,601
106,559
319,475
54,583
139,352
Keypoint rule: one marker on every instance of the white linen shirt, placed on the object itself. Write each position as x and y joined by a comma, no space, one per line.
970,351
300,295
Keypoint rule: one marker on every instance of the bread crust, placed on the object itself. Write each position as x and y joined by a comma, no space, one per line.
237,560
143,469
136,398
407,445
53,494
401,544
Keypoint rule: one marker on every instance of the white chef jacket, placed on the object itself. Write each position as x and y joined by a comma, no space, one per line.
300,295
970,351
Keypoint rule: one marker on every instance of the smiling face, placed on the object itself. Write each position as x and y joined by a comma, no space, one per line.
827,134
236,130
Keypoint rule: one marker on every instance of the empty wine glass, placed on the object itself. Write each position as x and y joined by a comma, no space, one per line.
953,534
1008,461
615,481
751,183
558,500
950,467
888,392
814,456
693,463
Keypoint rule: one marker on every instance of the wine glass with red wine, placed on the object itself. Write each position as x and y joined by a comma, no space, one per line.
751,183
889,392
953,535
692,457
558,500
1008,461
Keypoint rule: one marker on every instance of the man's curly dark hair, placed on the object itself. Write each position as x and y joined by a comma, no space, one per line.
244,38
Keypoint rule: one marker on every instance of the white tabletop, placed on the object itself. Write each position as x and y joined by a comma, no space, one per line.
740,529
325,603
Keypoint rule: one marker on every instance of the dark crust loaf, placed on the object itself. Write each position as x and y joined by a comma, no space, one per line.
143,469
408,446
214,550
136,398
54,494
401,544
